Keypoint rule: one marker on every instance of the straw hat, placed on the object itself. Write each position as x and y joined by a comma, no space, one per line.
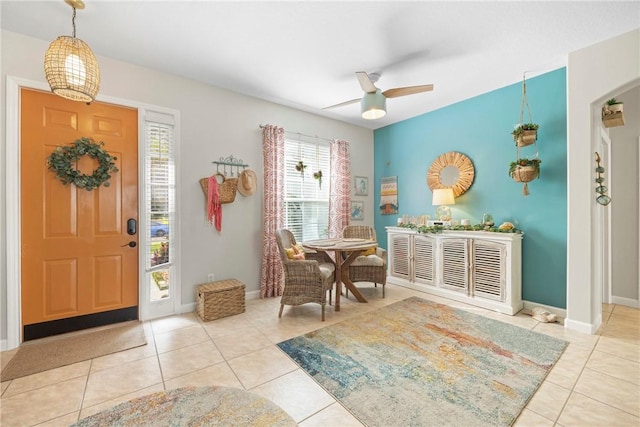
248,182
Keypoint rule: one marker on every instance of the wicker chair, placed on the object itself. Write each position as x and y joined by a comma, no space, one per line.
369,268
305,280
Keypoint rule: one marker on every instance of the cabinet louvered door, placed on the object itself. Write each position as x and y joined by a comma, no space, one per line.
455,265
424,259
488,270
399,265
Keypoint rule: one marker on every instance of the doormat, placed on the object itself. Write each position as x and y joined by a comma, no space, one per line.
50,353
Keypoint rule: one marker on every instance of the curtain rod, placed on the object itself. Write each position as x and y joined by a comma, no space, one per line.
302,134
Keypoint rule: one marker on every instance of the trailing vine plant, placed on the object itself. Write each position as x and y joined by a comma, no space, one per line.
62,160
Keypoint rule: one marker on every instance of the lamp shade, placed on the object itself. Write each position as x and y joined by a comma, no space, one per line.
374,105
443,196
71,69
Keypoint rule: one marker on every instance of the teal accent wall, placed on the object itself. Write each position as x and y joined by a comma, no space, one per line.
481,128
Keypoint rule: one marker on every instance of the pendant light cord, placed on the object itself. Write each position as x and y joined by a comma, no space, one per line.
73,21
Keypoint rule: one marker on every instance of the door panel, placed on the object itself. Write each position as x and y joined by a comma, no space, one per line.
73,260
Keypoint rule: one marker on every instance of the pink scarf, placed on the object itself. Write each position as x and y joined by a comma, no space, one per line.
214,209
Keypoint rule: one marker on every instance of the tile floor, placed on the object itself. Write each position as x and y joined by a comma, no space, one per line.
596,382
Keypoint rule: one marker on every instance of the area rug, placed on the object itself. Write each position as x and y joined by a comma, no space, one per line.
193,407
49,353
415,363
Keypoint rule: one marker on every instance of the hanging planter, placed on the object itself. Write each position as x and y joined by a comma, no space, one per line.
525,170
300,167
318,176
525,134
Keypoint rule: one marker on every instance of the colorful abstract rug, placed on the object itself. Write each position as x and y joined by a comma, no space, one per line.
193,407
415,363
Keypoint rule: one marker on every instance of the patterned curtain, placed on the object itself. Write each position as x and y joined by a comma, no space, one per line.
339,187
272,276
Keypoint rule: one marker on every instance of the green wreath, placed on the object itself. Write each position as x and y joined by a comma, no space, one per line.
62,159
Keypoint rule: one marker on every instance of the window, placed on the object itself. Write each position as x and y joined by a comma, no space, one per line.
306,198
160,204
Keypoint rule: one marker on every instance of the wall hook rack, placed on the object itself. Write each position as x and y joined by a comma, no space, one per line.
234,164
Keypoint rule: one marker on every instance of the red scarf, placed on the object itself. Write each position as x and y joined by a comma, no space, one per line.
214,208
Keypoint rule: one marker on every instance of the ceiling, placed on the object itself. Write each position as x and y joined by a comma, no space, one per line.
305,54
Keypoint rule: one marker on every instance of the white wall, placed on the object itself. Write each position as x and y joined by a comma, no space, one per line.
214,123
592,73
624,209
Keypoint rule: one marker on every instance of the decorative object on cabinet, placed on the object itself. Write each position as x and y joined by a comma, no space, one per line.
389,195
612,113
601,189
361,184
357,211
434,227
70,66
234,165
442,197
476,267
451,170
61,159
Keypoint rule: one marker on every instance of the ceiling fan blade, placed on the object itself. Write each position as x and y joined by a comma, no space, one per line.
353,101
365,82
409,90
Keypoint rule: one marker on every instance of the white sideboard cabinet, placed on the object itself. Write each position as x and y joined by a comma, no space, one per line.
477,267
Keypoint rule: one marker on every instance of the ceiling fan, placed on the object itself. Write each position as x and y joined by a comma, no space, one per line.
374,101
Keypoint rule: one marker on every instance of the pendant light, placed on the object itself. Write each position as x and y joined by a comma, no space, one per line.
70,66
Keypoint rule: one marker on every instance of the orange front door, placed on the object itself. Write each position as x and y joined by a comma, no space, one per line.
77,270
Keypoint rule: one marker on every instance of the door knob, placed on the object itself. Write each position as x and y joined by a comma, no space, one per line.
131,244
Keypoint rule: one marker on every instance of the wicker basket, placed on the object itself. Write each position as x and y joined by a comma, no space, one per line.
524,174
220,299
227,188
527,137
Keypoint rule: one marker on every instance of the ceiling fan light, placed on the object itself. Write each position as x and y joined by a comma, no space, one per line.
373,105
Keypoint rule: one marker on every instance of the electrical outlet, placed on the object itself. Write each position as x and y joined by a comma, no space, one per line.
211,277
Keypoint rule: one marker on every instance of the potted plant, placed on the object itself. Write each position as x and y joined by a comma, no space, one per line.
525,170
525,134
614,106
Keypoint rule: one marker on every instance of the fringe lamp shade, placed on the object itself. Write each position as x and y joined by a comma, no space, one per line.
71,69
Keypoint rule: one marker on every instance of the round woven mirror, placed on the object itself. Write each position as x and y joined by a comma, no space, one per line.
451,170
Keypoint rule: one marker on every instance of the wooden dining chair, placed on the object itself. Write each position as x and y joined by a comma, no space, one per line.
307,275
371,266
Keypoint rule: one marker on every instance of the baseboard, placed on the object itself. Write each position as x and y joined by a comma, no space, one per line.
3,345
628,302
585,328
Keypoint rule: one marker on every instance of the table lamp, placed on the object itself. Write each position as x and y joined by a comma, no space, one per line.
441,198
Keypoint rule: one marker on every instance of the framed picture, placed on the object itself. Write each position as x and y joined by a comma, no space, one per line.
362,185
357,211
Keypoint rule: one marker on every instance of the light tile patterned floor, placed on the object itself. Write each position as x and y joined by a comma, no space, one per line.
596,382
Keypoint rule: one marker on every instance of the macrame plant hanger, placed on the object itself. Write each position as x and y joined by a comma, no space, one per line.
525,103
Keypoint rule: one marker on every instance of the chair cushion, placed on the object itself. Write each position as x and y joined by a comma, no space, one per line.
295,252
369,260
326,269
371,251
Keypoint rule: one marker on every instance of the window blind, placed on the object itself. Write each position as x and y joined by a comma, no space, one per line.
306,198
